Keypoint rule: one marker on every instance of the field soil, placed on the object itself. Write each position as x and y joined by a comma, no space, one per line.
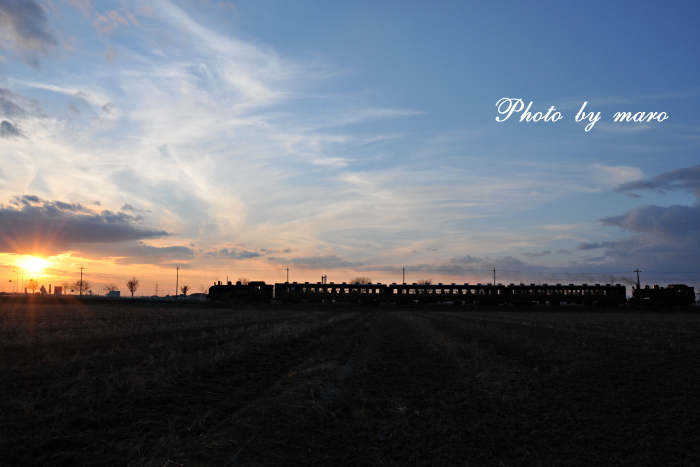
160,385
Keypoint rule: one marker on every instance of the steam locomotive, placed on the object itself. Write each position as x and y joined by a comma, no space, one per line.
673,295
456,294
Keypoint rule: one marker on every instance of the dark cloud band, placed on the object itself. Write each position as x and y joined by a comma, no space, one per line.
24,23
30,224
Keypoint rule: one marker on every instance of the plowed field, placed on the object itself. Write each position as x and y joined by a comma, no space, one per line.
156,385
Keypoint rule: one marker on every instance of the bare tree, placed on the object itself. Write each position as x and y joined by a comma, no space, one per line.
184,289
243,280
203,289
132,284
66,287
110,288
81,287
425,281
32,285
361,280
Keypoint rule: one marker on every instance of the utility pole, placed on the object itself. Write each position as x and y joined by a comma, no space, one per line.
156,290
404,276
81,280
177,280
287,274
494,276
637,271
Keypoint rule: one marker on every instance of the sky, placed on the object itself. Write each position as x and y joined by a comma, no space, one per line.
344,139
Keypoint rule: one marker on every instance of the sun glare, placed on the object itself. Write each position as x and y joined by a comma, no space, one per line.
33,264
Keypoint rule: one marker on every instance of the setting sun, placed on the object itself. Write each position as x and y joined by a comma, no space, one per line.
33,264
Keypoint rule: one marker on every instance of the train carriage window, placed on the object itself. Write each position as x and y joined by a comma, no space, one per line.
363,290
396,291
412,291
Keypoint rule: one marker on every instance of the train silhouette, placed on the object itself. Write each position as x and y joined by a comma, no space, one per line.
455,294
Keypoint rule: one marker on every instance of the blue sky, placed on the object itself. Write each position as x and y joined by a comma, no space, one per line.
242,138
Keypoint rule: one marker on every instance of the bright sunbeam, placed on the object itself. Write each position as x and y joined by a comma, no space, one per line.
33,264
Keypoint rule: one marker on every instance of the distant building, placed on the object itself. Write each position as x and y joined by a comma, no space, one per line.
114,294
58,290
43,290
